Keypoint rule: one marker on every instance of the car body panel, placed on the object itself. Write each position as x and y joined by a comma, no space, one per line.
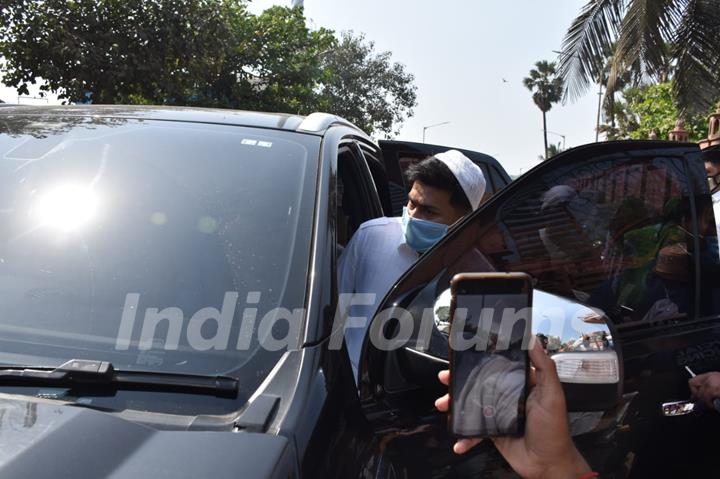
45,440
254,119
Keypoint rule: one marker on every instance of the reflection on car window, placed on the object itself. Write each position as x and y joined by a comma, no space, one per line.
614,234
188,219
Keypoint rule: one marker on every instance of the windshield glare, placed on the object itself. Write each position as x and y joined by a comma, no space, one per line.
162,246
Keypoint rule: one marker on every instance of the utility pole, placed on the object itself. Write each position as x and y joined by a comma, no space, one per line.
425,128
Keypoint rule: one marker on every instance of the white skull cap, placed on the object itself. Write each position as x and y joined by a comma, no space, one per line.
468,174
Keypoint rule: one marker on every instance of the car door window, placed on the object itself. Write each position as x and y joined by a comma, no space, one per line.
613,232
357,198
399,192
373,159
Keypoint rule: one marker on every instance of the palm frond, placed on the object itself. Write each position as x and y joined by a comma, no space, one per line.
589,36
647,28
697,48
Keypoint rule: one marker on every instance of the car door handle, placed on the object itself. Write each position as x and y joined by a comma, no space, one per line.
682,408
677,408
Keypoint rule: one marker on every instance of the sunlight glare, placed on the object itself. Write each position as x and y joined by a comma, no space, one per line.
66,208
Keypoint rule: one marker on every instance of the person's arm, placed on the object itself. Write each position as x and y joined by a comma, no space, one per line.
346,266
706,387
347,286
546,450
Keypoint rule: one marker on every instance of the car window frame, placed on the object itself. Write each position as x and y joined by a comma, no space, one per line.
431,264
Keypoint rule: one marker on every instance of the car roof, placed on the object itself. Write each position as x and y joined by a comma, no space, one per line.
315,123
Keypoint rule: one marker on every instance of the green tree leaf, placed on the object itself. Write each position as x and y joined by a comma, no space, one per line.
649,108
211,53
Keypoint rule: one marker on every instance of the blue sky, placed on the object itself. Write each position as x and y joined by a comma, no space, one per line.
459,52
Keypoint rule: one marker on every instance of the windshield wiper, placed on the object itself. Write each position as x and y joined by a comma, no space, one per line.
98,374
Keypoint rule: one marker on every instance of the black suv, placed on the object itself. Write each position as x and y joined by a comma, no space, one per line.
168,297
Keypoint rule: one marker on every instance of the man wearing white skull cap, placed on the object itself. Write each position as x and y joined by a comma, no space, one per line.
444,188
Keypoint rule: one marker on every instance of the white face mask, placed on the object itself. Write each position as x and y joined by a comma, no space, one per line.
421,235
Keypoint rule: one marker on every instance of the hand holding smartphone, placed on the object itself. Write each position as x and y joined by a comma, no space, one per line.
489,339
546,449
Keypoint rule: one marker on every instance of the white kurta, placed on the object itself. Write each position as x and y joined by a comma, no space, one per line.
373,261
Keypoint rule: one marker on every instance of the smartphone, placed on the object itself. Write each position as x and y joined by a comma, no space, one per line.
490,332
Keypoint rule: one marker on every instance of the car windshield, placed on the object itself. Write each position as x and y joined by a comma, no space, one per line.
160,246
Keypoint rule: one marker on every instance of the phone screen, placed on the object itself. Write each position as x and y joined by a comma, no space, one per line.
489,360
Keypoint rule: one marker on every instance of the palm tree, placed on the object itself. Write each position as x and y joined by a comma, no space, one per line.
656,35
553,150
547,88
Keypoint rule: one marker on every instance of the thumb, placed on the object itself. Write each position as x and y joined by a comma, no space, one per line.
544,365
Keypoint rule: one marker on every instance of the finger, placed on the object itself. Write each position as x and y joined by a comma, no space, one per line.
502,443
537,355
443,403
702,392
532,379
703,395
444,377
464,445
544,366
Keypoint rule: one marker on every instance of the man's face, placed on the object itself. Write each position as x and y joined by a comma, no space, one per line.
712,169
432,204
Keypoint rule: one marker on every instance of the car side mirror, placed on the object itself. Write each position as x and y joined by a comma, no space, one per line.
580,342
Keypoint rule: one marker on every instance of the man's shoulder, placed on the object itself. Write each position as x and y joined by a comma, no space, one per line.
379,233
379,224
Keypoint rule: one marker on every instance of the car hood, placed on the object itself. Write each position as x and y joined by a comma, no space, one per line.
46,440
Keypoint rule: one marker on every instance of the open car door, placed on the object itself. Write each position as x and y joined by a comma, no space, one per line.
620,242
